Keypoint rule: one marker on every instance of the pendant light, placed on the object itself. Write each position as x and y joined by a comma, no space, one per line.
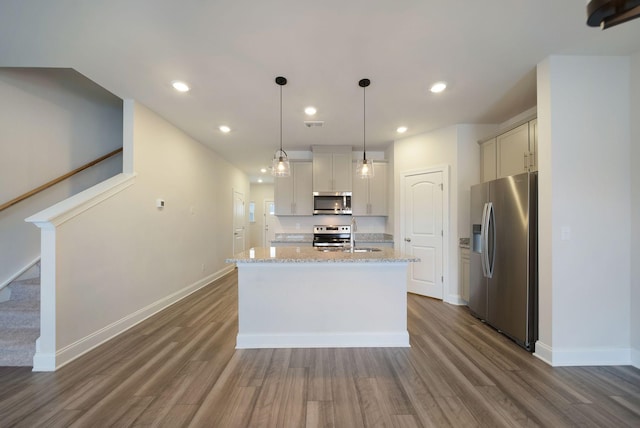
280,164
364,168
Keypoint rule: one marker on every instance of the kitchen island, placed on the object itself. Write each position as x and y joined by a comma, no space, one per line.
302,297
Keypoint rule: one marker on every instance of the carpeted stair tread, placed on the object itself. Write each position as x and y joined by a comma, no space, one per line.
20,305
18,338
25,291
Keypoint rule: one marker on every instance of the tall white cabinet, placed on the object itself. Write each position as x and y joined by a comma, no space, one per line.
293,195
370,195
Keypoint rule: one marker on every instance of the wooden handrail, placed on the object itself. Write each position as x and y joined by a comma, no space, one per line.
57,180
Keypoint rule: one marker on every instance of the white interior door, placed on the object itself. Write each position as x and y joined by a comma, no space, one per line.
238,222
423,232
269,223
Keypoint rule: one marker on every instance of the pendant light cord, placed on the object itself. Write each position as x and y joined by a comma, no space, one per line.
281,119
364,123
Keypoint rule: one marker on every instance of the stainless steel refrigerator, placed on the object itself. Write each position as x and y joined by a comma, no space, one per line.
503,289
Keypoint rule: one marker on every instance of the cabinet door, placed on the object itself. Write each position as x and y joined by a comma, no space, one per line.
488,160
283,194
466,266
322,172
378,190
302,187
533,145
513,149
342,172
360,192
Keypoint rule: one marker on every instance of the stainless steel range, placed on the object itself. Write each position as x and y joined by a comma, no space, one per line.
331,236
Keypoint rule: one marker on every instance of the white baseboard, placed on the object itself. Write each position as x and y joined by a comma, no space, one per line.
583,356
323,340
543,352
455,299
50,362
635,358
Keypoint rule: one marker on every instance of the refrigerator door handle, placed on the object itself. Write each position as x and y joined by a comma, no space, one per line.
483,240
491,221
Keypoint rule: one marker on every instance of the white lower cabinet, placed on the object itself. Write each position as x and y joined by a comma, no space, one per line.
465,266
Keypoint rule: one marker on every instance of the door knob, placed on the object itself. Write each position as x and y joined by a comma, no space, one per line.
407,239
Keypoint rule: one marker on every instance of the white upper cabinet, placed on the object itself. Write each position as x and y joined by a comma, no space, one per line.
293,194
331,169
370,194
511,153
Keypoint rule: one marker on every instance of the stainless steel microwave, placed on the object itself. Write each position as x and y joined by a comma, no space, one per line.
331,203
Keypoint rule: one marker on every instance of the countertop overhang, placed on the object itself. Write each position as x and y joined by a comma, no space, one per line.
313,255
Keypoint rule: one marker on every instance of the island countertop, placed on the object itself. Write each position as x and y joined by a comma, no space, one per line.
314,255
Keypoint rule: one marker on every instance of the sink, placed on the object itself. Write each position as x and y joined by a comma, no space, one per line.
363,250
348,250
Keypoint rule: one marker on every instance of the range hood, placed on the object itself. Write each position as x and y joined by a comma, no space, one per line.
608,13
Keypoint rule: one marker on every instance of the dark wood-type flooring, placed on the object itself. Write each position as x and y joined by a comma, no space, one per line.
180,368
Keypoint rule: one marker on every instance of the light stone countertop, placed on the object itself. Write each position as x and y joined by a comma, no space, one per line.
313,255
302,238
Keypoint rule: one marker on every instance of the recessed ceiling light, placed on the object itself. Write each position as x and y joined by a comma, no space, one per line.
310,111
224,128
263,170
438,87
180,86
259,180
402,129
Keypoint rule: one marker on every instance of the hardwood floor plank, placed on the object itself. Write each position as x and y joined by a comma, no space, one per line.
428,412
404,421
481,407
319,414
212,408
266,413
320,376
346,400
374,411
294,398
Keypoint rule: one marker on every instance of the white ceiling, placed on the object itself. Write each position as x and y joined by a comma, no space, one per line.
230,52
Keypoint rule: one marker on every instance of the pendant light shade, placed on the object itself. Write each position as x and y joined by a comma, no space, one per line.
364,168
280,165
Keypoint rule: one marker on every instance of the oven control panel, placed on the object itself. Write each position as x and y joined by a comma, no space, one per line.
332,230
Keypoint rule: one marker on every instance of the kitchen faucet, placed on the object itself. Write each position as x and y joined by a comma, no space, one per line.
354,227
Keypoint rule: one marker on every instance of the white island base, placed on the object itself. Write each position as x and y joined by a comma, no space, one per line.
310,305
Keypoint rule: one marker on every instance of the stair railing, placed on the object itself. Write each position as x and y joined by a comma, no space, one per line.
57,180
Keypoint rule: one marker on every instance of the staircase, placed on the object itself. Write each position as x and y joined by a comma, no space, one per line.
20,323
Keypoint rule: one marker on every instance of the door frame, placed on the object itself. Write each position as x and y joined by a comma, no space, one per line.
233,216
265,213
444,169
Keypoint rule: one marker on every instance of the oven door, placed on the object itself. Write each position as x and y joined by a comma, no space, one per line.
333,240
